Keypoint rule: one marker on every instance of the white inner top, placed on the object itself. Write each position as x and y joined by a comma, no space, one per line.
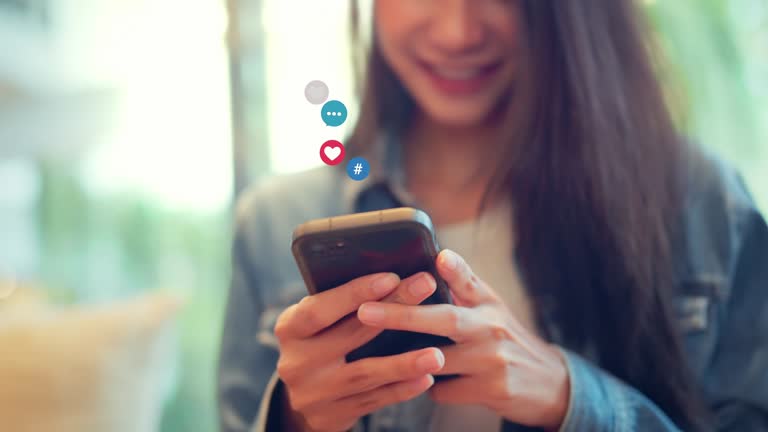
486,244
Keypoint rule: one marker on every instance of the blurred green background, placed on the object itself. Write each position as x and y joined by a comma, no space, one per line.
128,128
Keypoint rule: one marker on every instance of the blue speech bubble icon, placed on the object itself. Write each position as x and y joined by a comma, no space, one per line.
334,113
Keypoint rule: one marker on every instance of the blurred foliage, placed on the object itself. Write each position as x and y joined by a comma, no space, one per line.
114,247
715,65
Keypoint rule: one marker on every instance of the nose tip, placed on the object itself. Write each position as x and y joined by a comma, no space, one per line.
457,26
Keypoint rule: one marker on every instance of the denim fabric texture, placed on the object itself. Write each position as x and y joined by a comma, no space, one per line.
721,306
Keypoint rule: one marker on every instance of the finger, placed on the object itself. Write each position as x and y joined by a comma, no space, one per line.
457,323
329,416
478,358
392,394
467,289
413,290
460,391
317,312
349,379
368,374
466,359
351,333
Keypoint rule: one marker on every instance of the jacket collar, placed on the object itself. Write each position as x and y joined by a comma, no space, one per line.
385,186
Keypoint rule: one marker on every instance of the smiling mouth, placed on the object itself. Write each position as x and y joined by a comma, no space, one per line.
461,80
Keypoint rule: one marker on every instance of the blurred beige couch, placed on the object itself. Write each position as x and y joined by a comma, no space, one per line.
84,368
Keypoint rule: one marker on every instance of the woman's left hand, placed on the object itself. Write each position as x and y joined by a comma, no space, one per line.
502,365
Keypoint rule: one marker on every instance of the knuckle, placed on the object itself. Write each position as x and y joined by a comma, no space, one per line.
454,320
499,361
360,376
498,390
308,312
368,403
500,332
404,315
283,323
306,303
472,282
287,370
281,331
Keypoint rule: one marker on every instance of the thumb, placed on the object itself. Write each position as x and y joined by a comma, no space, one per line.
466,287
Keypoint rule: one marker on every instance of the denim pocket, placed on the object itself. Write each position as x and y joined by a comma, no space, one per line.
692,313
696,311
694,304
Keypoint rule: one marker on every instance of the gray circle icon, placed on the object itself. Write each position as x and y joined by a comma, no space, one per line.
316,92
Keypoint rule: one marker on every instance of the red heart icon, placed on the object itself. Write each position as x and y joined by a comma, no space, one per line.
332,152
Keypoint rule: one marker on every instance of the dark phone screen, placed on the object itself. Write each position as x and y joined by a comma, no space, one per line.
334,261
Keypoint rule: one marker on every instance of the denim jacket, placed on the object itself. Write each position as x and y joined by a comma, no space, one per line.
721,306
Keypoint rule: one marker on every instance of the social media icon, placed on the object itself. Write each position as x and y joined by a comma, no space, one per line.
334,113
316,92
332,152
358,169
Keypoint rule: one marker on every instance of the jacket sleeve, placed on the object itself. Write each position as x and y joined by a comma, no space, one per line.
247,356
249,389
601,403
736,380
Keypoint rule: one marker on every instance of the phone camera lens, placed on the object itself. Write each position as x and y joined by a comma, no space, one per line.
317,248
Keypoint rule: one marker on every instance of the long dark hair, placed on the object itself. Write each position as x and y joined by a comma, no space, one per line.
592,168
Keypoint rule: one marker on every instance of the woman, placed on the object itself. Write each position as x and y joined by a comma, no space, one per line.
607,276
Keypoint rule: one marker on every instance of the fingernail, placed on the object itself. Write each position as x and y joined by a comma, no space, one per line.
431,381
430,361
383,284
451,260
422,286
371,313
418,384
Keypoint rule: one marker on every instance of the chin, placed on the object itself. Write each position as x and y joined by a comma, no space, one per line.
465,116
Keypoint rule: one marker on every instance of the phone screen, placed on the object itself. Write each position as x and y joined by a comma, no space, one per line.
334,260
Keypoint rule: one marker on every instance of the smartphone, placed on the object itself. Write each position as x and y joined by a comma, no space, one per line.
332,251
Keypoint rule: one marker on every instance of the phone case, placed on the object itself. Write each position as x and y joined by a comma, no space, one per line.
389,342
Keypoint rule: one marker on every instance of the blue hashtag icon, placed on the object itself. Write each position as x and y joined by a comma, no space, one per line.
358,169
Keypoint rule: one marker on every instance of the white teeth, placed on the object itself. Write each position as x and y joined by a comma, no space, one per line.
457,74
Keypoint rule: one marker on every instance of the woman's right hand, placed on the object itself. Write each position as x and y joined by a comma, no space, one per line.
324,392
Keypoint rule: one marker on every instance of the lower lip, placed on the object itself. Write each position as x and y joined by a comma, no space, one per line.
458,87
